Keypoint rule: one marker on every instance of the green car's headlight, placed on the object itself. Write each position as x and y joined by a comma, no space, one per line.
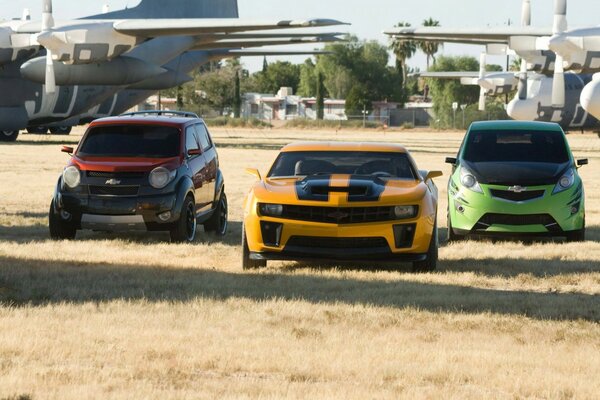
565,182
468,180
270,210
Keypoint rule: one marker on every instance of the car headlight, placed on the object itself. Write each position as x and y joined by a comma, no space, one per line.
270,210
405,212
565,182
161,177
71,176
468,180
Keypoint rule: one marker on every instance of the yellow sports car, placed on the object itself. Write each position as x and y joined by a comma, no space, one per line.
342,201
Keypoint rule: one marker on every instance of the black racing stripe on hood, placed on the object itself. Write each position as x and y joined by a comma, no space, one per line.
373,188
305,189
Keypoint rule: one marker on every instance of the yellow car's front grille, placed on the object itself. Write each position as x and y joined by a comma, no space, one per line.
338,215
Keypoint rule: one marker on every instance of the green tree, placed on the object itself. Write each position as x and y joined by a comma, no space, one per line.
279,74
359,62
237,96
307,86
358,101
446,91
320,96
403,50
428,47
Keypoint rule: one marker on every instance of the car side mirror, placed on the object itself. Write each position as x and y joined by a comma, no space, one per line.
67,149
451,160
582,162
433,174
254,172
194,152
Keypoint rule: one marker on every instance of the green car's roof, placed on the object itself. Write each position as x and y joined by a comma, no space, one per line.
514,125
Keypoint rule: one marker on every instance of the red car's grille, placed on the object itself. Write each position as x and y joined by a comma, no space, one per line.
115,175
114,190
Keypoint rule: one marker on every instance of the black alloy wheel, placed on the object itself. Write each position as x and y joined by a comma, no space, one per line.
218,222
184,230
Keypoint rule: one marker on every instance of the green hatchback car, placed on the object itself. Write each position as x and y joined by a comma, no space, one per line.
516,179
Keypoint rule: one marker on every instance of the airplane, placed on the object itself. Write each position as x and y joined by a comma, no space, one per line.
542,89
86,61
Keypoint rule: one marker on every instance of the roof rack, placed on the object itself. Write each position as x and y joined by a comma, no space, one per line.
166,113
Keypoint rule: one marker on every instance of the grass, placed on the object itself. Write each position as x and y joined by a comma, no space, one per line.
118,316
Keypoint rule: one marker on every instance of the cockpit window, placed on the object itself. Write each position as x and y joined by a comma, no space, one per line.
305,163
516,146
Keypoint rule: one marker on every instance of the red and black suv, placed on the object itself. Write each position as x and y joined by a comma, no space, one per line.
149,171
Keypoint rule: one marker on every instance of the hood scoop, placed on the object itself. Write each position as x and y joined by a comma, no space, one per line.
318,188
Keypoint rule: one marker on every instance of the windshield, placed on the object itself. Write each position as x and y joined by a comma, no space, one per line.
303,163
516,146
144,141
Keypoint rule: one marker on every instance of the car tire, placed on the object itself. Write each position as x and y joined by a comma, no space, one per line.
217,223
184,229
61,130
576,236
58,227
430,263
8,136
247,263
453,237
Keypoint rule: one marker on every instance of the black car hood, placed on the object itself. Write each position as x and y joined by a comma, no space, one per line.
517,173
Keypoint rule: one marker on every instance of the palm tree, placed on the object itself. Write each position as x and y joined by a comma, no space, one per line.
403,50
428,47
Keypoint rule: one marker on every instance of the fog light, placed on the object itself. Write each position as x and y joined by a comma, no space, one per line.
575,209
404,235
271,233
65,215
164,217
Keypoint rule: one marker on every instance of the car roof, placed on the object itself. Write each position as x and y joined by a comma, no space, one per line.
144,120
344,146
515,125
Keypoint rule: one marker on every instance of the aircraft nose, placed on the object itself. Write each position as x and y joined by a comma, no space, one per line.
523,110
590,97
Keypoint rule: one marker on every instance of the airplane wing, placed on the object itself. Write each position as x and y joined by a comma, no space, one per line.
149,28
501,35
165,27
235,44
447,75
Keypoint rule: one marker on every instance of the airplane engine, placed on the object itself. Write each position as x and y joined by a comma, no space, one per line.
118,72
85,44
498,83
590,96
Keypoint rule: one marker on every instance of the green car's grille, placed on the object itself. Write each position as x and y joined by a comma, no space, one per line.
513,196
518,220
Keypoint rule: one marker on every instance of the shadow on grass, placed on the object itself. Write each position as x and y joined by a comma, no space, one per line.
25,234
41,282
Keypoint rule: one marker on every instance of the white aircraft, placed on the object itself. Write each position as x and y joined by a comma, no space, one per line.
544,93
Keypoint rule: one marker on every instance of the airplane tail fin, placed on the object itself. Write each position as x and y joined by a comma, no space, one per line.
175,9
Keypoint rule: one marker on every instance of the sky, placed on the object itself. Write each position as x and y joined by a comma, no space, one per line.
368,18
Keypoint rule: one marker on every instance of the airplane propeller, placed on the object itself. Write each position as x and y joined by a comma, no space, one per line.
47,25
482,71
525,21
560,27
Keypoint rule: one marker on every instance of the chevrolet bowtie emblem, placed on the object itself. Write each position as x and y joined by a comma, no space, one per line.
113,182
517,189
338,215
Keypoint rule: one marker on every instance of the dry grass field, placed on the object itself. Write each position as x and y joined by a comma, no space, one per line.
115,316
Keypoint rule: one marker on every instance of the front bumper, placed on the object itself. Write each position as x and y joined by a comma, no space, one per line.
488,215
140,213
283,239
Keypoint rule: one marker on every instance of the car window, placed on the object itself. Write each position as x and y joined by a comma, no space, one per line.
148,141
303,163
191,142
203,136
516,146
